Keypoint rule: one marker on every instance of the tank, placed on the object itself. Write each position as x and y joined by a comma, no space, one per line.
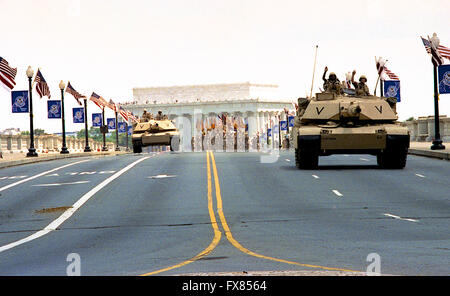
331,123
155,132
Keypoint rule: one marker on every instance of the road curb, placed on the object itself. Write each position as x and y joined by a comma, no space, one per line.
430,153
5,164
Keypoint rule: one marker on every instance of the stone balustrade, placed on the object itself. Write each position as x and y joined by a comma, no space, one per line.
422,128
47,143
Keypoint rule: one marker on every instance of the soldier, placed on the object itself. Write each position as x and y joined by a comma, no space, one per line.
145,116
360,87
159,116
332,84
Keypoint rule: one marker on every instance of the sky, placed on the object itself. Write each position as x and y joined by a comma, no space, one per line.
111,46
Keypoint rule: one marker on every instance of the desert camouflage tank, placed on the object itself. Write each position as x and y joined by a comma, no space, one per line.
331,123
155,132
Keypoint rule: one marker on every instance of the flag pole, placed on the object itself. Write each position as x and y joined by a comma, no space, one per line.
379,77
381,88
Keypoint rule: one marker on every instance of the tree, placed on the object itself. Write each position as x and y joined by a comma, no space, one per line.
37,132
96,135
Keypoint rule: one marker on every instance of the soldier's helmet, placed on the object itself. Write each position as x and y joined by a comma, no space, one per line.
145,110
332,76
363,77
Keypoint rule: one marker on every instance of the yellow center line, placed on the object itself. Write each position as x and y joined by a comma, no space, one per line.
228,234
217,233
235,243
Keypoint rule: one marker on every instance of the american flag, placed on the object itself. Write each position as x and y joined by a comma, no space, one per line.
123,113
98,100
7,74
111,105
390,74
74,93
383,71
41,85
442,51
132,117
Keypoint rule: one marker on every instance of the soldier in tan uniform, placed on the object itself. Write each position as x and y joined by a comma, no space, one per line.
360,87
146,117
332,84
159,116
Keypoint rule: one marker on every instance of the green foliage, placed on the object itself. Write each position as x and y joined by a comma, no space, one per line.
37,132
96,135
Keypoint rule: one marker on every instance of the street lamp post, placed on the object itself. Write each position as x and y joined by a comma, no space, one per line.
86,131
117,134
437,143
31,150
104,130
126,132
279,132
64,150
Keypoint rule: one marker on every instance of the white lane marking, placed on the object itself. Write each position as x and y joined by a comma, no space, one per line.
288,160
53,175
419,175
161,176
88,173
69,212
337,193
61,184
365,159
41,174
399,218
12,177
315,176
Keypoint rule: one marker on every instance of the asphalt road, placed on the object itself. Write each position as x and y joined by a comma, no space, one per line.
178,213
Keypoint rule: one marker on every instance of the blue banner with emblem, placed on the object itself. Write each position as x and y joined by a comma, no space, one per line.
283,125
444,79
111,122
392,89
121,127
54,109
78,115
19,101
291,121
96,119
130,130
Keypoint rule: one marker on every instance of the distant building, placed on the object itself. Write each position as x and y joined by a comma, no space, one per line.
257,104
12,131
